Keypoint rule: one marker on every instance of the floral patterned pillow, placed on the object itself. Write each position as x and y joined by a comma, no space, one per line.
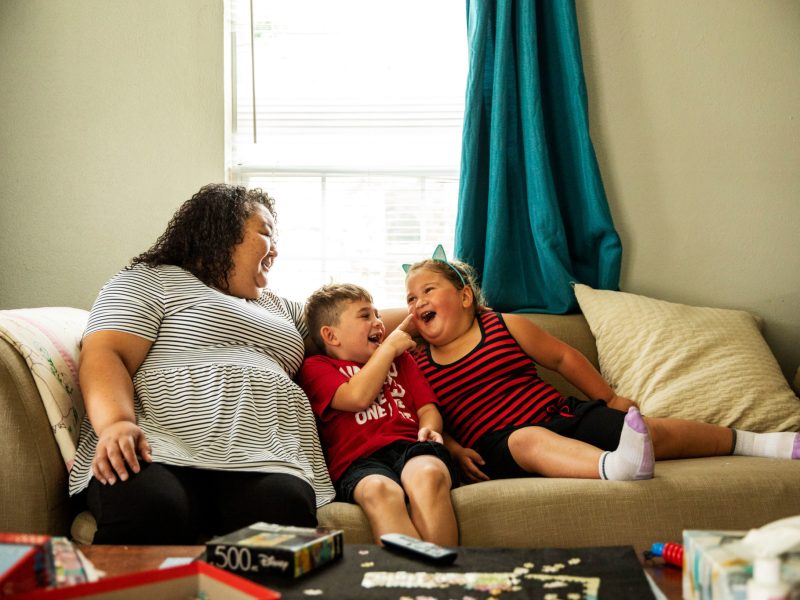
49,341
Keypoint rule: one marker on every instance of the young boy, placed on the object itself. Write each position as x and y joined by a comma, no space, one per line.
378,418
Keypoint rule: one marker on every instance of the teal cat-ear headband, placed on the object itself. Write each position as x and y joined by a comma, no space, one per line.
439,255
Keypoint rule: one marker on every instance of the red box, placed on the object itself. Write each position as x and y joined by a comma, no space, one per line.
185,581
21,574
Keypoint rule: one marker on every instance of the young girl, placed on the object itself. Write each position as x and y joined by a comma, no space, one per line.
504,421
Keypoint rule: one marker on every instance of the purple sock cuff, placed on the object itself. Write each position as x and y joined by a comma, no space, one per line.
635,421
796,447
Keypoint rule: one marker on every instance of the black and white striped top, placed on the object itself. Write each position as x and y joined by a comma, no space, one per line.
215,391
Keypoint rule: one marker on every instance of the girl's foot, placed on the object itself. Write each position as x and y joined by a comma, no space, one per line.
634,457
784,444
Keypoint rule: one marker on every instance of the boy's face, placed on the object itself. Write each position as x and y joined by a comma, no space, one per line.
358,333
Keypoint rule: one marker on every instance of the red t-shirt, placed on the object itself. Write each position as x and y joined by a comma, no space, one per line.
347,435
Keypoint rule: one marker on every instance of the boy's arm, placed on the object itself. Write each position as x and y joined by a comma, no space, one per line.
430,424
360,391
552,353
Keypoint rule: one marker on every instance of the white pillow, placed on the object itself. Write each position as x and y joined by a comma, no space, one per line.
674,360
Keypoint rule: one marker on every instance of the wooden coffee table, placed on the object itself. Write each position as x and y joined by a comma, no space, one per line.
119,560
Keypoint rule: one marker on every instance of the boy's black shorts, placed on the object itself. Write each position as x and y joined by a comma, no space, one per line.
588,421
389,462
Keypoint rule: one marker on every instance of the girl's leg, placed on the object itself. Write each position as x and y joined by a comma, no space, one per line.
542,451
680,438
539,450
779,444
384,503
427,483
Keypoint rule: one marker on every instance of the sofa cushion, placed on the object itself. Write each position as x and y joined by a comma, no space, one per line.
536,512
32,474
721,492
674,360
49,341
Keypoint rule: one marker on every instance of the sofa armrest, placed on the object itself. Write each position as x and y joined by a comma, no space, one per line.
796,382
34,496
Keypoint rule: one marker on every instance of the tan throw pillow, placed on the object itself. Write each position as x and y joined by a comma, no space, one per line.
674,360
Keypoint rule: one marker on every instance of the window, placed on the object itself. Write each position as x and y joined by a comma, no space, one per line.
356,133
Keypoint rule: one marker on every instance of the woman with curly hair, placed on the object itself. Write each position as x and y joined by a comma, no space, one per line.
194,426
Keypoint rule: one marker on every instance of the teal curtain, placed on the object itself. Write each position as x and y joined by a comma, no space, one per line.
532,212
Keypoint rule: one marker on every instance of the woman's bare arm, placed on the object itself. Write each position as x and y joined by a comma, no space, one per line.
108,362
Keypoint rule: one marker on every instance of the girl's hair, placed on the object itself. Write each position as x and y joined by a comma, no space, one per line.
459,273
202,233
324,306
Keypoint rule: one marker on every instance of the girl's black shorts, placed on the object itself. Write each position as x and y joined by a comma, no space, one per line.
588,421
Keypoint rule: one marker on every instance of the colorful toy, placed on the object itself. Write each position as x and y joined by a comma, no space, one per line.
671,553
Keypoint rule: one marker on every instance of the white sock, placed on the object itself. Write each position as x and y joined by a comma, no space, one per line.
634,457
782,444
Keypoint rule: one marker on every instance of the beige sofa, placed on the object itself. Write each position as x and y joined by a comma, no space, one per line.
710,493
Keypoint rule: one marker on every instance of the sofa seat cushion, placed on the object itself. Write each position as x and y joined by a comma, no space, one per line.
83,528
698,493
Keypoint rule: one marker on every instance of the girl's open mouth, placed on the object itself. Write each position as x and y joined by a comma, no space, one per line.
427,316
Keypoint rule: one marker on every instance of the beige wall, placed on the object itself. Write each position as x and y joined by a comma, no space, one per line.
695,117
111,113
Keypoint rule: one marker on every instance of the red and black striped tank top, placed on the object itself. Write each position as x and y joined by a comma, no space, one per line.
493,386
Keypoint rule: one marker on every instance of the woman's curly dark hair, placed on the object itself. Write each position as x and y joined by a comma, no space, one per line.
202,233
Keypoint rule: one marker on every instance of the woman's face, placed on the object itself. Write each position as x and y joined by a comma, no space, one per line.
253,256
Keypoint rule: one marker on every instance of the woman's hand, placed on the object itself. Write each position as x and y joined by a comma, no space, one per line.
117,450
426,434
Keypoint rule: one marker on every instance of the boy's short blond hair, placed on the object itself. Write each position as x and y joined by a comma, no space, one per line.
326,305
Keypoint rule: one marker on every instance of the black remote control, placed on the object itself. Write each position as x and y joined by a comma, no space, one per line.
427,551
